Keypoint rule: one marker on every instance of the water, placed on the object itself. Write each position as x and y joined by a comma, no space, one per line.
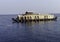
43,31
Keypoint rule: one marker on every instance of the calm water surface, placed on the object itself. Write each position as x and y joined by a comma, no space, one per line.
43,31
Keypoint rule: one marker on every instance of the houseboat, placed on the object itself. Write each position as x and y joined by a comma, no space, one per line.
30,16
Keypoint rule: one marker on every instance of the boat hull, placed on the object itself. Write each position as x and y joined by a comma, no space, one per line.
22,20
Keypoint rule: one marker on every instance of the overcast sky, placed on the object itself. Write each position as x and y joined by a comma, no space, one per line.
20,6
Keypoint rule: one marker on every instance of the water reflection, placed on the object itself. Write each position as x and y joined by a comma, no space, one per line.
37,22
41,31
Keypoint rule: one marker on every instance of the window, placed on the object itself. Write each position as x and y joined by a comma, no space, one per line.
21,18
45,17
27,17
49,16
37,17
30,17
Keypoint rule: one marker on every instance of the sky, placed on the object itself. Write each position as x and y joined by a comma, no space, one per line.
21,6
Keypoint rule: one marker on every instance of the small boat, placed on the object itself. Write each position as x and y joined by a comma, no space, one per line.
30,16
